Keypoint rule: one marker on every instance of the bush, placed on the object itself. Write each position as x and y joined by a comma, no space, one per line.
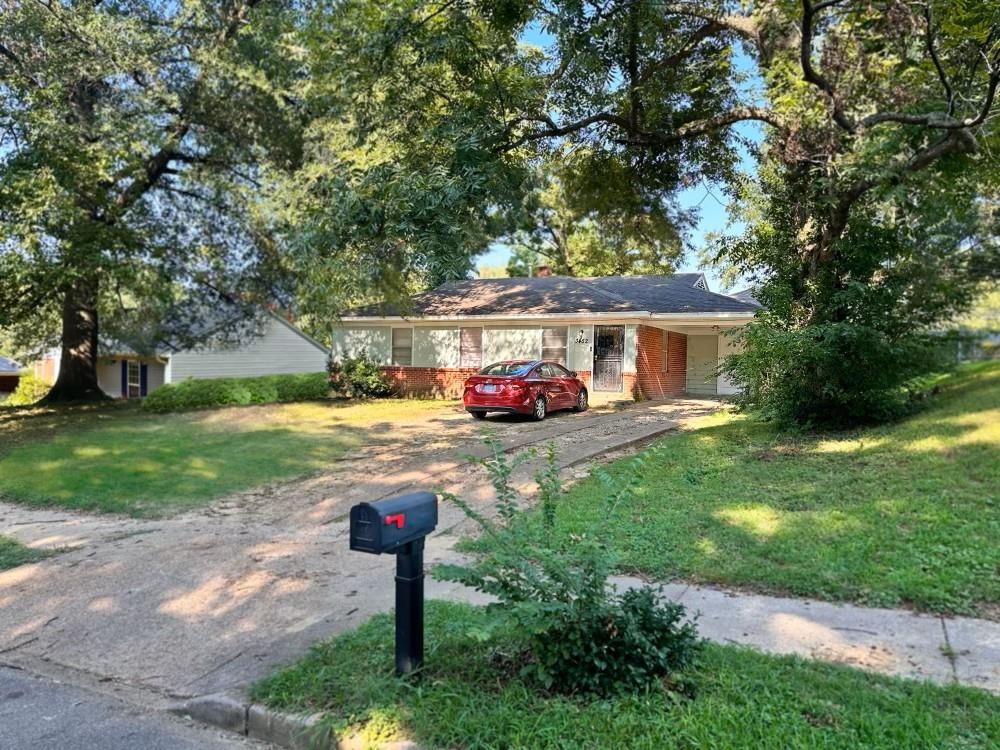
581,636
830,375
29,390
267,389
358,377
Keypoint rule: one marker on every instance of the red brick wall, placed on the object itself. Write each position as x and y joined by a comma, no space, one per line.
428,382
652,379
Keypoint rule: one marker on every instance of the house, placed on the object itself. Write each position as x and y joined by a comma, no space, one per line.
10,375
276,348
658,336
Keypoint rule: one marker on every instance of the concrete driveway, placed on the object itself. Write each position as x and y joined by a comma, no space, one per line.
156,610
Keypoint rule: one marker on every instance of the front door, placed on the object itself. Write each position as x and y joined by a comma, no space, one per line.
609,356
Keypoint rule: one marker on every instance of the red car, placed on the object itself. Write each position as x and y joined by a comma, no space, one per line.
524,386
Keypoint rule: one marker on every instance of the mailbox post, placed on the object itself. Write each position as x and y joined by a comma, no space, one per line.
399,526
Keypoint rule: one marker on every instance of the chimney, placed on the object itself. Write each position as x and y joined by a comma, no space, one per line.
544,271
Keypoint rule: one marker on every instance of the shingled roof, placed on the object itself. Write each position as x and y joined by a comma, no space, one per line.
565,295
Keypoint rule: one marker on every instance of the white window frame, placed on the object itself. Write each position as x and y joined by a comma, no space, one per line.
565,348
393,360
129,382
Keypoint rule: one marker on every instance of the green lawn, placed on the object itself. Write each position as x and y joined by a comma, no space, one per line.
13,553
900,515
742,699
124,460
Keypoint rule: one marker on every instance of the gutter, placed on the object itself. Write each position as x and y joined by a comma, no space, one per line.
630,316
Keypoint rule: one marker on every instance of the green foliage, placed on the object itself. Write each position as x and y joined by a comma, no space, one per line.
197,393
846,346
831,374
133,137
358,377
744,699
581,225
555,596
29,390
403,181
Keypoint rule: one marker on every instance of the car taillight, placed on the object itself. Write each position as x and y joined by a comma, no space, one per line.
517,385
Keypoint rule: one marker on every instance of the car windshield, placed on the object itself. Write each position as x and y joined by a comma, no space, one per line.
507,368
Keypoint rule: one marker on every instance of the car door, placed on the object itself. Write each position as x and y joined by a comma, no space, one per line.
555,388
570,386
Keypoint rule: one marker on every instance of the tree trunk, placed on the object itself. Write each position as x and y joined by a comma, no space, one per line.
77,379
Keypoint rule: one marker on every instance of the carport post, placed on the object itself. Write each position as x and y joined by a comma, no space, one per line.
410,607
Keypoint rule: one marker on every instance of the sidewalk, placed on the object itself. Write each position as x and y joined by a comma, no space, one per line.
895,642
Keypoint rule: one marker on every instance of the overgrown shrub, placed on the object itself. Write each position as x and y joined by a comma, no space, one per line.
581,635
29,390
358,377
267,389
832,374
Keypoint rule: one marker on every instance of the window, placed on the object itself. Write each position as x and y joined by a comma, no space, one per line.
516,369
471,347
554,344
666,351
134,379
402,346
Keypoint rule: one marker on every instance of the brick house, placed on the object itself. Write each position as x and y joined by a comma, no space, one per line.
659,336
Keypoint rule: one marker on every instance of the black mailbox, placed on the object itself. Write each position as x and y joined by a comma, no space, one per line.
399,525
387,525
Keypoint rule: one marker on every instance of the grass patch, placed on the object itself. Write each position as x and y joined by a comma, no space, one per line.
13,553
906,514
123,460
742,699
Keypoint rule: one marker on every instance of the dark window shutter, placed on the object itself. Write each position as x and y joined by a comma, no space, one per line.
143,379
124,388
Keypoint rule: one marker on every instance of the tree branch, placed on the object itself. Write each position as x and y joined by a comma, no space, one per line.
685,132
932,51
743,26
10,55
809,73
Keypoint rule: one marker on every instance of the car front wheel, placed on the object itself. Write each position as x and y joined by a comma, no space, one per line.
539,410
581,401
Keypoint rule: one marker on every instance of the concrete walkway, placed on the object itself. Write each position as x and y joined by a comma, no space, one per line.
943,650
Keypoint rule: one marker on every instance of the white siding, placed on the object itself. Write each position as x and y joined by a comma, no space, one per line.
280,350
511,342
631,332
726,347
109,377
702,359
581,353
375,341
436,347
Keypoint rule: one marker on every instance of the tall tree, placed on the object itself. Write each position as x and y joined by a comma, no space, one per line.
879,128
404,180
130,134
587,219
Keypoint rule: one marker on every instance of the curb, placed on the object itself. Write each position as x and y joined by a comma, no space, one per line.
234,713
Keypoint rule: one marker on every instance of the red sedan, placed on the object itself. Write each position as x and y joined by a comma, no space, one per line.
524,387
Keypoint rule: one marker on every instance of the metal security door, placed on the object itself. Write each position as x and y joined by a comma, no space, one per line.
609,353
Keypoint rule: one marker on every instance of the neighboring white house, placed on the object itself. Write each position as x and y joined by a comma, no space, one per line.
658,335
279,348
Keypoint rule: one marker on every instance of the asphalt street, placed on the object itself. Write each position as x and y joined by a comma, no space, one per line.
42,714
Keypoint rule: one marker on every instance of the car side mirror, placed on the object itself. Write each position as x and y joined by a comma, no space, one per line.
573,373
